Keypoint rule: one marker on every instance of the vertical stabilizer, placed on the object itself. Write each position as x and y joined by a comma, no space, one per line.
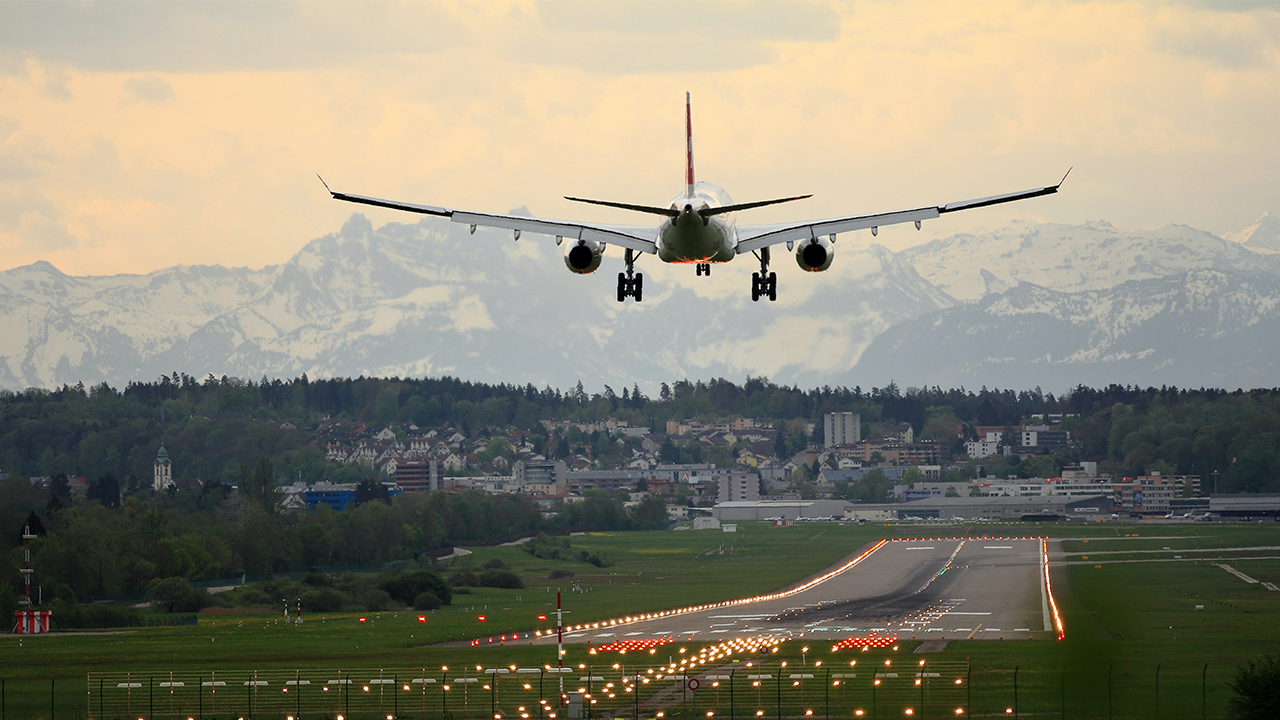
688,134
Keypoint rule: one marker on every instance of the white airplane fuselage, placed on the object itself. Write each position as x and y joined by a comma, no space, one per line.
689,238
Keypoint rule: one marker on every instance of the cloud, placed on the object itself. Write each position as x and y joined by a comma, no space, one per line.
219,36
150,89
40,233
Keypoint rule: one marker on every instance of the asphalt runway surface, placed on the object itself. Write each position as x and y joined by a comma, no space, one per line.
927,589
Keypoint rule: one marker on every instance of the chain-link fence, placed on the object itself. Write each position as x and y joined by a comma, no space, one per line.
763,690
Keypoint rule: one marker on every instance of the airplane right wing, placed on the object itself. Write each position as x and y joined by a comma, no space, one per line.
755,237
641,238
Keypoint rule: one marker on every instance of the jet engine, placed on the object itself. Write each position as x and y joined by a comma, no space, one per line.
582,256
815,255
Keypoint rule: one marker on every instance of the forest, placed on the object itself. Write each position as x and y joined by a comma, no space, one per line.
120,537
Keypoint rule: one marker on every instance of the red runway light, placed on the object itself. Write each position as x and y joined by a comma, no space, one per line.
481,618
422,618
361,619
542,617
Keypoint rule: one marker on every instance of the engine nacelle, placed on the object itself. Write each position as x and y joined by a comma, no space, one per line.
582,256
815,255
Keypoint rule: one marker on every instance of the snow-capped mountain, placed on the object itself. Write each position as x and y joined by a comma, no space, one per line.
430,298
1199,328
1072,258
1048,305
1263,234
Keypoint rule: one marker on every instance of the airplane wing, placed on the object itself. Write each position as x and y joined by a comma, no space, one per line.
755,237
641,238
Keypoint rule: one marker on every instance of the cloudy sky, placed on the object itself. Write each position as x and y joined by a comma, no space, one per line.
137,135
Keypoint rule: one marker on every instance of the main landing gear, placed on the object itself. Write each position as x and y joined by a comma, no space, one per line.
764,283
630,283
703,269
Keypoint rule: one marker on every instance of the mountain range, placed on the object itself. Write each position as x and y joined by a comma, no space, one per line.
1026,305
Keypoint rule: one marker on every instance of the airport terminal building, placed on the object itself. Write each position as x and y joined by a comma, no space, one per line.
942,508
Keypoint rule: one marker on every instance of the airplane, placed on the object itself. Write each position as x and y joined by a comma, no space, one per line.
699,227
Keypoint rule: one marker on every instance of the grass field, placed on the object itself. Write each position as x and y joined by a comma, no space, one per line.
1125,621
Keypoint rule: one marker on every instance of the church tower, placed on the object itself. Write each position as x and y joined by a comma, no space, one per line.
163,471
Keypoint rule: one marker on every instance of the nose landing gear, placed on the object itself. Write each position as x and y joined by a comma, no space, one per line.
764,283
630,283
703,269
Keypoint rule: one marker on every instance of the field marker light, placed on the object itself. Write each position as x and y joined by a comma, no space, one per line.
481,619
858,713
959,711
366,688
1008,711
909,711
958,681
759,713
361,619
808,713
542,617
422,618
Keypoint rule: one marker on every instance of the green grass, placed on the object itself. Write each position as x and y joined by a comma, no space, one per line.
1122,621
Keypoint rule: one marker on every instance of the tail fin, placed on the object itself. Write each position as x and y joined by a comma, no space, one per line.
688,133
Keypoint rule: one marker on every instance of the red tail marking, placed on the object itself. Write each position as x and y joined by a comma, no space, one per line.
688,134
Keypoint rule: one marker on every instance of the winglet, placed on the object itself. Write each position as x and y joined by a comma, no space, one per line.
1064,177
325,184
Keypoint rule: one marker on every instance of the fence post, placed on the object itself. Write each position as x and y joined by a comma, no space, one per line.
100,713
1015,691
1110,667
52,681
1203,688
151,696
1064,692
297,694
827,680
731,672
779,692
1157,692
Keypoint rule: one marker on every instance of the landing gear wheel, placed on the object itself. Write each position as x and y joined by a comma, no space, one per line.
764,283
630,283
704,269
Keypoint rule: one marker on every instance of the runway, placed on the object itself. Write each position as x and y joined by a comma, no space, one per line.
979,588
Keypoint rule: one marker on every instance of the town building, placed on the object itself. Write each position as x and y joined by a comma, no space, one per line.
163,476
841,428
739,486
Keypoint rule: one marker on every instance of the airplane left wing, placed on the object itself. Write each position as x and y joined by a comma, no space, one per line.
755,237
641,238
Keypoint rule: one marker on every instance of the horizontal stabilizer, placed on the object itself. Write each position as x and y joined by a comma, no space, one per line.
669,212
747,206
